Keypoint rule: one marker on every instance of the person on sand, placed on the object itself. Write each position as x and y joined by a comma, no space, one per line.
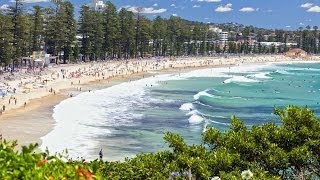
3,108
100,154
25,104
15,101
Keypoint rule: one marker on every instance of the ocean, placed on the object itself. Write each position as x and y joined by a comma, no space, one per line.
131,117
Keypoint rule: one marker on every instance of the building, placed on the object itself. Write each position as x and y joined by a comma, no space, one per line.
97,5
296,53
223,36
270,44
215,29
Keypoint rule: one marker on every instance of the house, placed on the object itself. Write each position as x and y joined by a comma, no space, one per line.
97,5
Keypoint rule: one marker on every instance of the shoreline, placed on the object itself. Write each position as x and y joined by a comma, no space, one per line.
25,120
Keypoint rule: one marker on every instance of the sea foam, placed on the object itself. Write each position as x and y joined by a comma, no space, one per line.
186,107
262,75
195,119
202,93
240,79
193,112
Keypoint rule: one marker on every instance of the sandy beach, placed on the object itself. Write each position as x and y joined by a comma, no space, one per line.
27,107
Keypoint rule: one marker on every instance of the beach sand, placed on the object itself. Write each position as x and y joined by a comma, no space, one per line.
29,123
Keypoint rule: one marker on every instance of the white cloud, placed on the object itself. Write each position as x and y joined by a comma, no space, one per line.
174,14
306,5
209,0
4,7
146,10
226,8
311,7
195,6
155,5
31,1
247,9
172,5
314,9
288,26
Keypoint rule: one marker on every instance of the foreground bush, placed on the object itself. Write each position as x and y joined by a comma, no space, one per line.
289,151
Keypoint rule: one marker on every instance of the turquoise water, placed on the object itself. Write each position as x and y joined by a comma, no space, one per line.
251,96
131,118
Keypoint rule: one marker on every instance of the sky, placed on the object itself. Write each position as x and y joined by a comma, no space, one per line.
280,14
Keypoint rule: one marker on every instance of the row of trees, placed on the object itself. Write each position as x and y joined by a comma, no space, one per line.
50,29
271,152
122,34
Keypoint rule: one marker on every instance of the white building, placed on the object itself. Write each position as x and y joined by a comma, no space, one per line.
223,36
97,5
269,44
215,29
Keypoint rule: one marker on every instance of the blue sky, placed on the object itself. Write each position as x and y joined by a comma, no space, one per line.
284,14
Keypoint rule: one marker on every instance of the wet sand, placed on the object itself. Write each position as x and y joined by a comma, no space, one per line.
28,124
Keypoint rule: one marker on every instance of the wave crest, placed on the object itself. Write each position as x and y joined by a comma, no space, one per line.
239,79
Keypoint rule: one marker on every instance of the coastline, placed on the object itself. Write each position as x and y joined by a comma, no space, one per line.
23,123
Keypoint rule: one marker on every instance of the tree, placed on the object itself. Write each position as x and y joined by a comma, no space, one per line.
86,31
65,17
316,39
21,32
6,38
111,29
127,33
176,40
76,52
50,31
61,41
144,35
98,35
37,30
159,31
